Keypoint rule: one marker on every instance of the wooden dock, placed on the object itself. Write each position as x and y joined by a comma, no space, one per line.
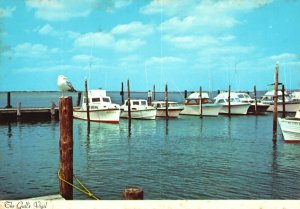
33,113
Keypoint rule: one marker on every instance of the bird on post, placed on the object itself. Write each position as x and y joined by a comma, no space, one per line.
64,85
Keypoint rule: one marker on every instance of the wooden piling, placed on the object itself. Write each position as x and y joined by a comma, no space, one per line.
200,95
229,102
153,92
167,101
18,110
87,101
275,104
133,193
255,99
185,94
122,92
128,100
8,105
52,110
283,101
78,99
66,146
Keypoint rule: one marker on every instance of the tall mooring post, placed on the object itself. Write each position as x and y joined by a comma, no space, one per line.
122,92
87,101
153,92
167,101
275,103
185,94
8,105
78,99
66,147
128,100
255,99
283,101
200,102
229,104
133,193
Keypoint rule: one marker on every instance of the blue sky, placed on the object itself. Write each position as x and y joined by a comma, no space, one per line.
187,43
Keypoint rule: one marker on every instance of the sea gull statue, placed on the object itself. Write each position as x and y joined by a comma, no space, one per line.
64,85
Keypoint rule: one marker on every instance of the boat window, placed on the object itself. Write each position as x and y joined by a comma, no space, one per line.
135,102
222,101
143,103
240,95
93,107
126,103
106,99
95,99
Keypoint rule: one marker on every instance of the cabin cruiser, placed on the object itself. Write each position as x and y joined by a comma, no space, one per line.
260,107
174,108
290,104
101,109
192,105
290,127
139,109
236,106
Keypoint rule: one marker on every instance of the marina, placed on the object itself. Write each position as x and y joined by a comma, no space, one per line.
211,158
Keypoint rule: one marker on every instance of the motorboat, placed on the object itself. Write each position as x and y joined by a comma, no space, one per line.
192,105
260,107
290,105
236,106
139,109
290,127
174,108
101,109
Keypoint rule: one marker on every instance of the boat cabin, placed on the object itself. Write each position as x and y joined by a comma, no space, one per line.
194,99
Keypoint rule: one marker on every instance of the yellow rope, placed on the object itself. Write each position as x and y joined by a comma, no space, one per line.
84,190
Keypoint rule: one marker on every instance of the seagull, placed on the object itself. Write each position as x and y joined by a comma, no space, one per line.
64,85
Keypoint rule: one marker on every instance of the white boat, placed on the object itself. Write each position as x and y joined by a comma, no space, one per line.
192,105
236,106
290,105
260,108
295,96
290,127
139,109
174,108
101,108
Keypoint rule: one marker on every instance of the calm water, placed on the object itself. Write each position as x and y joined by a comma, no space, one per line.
184,158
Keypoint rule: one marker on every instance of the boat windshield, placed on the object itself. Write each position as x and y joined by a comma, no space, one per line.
95,99
143,103
106,99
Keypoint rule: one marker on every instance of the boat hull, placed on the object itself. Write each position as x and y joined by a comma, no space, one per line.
236,109
148,114
172,113
289,107
290,129
105,115
207,110
261,108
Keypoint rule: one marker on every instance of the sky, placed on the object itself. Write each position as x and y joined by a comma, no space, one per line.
185,43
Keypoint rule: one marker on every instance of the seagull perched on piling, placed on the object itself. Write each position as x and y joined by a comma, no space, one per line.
64,85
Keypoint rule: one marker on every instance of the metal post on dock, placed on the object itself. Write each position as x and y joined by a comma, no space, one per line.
255,99
122,92
275,103
87,101
52,110
229,103
283,101
78,99
200,100
128,100
166,101
66,147
8,105
153,92
18,110
133,193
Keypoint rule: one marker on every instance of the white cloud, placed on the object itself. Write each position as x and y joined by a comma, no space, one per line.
133,29
164,60
48,30
193,41
122,3
107,40
30,50
61,10
84,58
285,56
7,12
